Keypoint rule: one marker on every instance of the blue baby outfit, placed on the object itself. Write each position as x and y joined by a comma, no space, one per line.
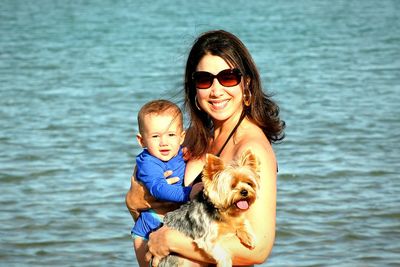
150,171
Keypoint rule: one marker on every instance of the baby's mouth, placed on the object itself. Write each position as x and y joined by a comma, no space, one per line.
164,152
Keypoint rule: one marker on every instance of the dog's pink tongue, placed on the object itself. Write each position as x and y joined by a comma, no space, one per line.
242,204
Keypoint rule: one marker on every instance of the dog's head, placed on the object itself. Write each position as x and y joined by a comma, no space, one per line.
231,188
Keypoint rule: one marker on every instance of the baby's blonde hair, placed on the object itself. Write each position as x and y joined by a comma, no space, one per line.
158,107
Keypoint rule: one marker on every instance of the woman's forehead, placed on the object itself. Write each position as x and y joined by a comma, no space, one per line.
212,63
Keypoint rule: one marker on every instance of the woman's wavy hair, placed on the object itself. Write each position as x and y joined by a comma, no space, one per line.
263,111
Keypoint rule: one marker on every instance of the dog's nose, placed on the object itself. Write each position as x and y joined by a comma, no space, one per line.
244,192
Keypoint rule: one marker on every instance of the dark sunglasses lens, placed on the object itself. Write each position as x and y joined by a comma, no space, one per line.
203,80
229,78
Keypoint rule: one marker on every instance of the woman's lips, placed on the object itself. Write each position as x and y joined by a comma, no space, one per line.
219,104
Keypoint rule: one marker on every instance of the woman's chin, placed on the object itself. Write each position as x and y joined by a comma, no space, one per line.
223,115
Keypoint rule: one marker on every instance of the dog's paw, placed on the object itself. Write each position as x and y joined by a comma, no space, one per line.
248,239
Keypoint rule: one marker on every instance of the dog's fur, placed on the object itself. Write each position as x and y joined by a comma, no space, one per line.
218,211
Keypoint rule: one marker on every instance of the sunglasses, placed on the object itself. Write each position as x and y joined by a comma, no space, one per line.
228,78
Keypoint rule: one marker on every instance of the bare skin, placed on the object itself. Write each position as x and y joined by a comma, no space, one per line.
224,105
261,215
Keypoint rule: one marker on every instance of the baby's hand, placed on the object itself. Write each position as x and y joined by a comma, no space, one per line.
171,180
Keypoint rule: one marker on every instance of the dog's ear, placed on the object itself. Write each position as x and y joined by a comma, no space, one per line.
248,159
213,165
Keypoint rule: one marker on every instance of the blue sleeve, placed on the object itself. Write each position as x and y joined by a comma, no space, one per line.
151,175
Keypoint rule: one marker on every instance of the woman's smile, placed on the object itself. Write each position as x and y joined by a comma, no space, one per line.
219,101
219,104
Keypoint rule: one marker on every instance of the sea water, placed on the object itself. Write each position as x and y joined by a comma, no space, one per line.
73,75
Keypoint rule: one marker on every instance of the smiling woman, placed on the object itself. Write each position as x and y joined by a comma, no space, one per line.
223,99
229,114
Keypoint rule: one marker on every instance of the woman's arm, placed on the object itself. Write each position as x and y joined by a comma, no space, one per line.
261,216
165,241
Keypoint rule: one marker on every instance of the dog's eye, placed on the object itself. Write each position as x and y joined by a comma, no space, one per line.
250,184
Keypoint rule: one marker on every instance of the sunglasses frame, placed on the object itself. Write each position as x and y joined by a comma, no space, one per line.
234,71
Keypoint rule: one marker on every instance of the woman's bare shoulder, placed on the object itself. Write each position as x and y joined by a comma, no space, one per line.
262,214
253,138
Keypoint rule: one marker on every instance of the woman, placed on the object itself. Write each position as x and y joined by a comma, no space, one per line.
229,114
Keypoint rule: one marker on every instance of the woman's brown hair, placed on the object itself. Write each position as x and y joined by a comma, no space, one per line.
263,111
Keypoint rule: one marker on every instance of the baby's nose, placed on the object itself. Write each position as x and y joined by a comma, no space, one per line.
163,141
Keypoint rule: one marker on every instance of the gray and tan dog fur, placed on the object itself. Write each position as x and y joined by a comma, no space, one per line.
218,211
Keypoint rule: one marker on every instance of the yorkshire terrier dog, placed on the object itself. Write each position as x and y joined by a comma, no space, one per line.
218,211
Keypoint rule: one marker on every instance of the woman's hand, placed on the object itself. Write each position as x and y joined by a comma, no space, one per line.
135,198
166,240
158,246
171,180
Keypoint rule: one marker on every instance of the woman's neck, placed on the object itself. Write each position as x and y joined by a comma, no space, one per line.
222,129
226,125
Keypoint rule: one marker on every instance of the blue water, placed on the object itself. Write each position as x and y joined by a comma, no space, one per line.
73,75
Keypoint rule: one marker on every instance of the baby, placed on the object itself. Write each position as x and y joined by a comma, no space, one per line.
161,135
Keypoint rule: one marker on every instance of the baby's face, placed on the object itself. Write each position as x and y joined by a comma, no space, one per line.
162,136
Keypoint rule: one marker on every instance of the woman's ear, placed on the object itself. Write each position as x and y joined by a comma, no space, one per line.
247,81
139,138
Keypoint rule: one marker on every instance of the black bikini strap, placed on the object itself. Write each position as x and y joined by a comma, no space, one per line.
198,178
232,132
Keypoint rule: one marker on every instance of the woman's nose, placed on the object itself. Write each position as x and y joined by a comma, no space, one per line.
216,88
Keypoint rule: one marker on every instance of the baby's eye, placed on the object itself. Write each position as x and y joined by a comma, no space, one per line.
154,136
172,135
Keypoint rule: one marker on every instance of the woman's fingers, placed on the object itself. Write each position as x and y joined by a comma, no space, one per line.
148,256
158,243
155,261
167,173
171,180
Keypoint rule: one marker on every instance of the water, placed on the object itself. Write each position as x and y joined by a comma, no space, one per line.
73,76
